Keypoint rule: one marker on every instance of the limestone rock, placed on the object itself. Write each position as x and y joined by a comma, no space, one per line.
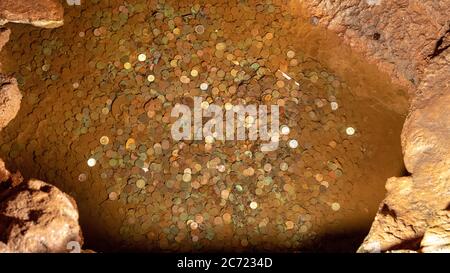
37,217
41,13
4,36
10,98
437,236
398,35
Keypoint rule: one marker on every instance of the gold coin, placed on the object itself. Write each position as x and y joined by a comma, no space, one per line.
289,225
104,140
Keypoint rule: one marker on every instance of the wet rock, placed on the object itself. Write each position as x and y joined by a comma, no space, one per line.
37,217
437,236
42,13
10,98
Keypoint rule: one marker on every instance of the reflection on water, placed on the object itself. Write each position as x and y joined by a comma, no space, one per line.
95,121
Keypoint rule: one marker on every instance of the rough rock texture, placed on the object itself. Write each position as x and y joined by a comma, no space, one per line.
10,98
413,203
36,217
409,39
400,36
41,13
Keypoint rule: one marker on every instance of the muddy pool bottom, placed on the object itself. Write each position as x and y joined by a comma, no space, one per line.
96,122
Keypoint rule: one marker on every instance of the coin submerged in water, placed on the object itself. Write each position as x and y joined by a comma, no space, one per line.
350,131
104,140
113,196
200,29
204,86
142,57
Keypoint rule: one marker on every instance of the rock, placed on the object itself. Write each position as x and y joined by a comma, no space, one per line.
37,217
411,203
10,98
42,13
409,40
398,35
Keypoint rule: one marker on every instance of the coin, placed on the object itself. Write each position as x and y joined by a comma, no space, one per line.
194,73
112,196
335,206
140,183
221,46
142,57
290,54
334,105
127,66
289,225
204,86
253,205
82,177
285,130
91,162
224,194
199,29
227,218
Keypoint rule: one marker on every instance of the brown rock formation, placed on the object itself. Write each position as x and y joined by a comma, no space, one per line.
42,13
10,98
36,217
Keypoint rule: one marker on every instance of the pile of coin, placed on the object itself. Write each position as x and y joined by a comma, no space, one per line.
96,121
